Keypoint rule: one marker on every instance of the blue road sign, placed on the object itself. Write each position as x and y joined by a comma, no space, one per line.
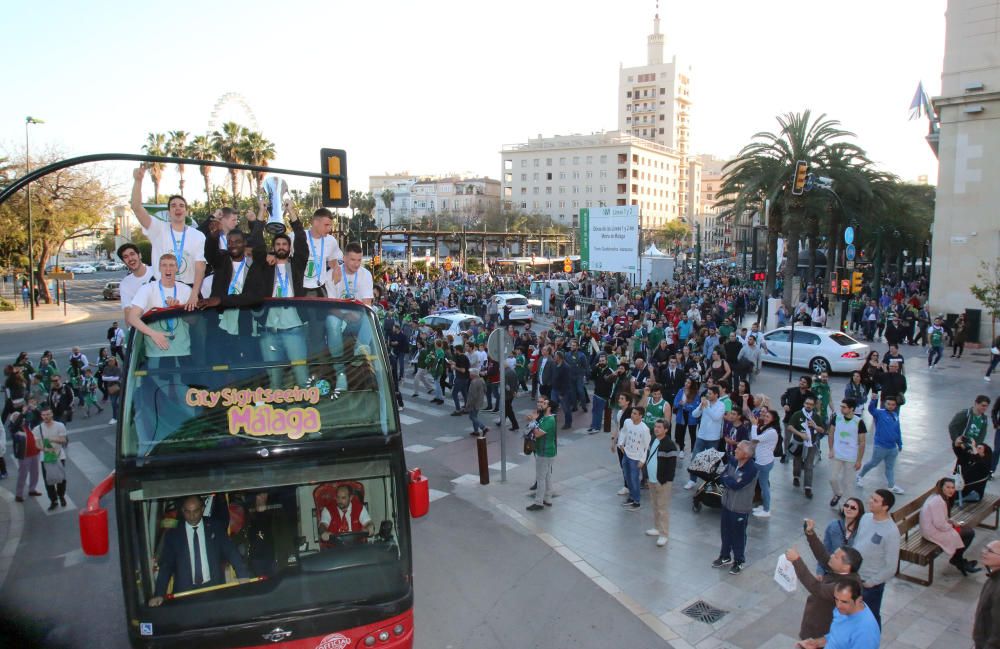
849,235
850,252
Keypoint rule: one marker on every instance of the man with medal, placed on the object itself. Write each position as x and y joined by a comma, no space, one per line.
185,243
170,336
232,268
324,252
282,337
216,230
348,281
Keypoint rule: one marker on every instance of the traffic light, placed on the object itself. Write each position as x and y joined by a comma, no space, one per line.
118,227
447,264
376,260
567,265
759,277
334,162
801,175
834,283
857,278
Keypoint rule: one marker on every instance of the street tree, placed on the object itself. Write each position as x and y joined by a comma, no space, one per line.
227,145
255,149
201,149
388,196
177,146
764,171
156,145
987,291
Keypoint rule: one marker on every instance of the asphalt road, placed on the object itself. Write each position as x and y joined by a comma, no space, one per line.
481,581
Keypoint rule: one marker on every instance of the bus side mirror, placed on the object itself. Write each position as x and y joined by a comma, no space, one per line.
94,520
419,493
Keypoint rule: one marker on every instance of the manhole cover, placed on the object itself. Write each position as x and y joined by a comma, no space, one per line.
704,612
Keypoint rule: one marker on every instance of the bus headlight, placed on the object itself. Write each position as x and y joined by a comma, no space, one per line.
398,629
383,635
370,641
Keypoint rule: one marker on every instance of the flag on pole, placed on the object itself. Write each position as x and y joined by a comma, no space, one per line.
921,103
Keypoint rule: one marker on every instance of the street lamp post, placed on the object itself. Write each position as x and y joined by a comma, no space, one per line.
29,120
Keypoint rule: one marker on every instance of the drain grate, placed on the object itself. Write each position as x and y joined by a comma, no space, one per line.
704,612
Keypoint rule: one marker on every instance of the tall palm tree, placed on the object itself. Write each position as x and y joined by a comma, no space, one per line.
764,169
227,147
177,147
255,149
388,196
156,144
201,149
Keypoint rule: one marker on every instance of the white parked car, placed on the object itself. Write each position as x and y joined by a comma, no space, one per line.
519,308
82,269
451,321
816,348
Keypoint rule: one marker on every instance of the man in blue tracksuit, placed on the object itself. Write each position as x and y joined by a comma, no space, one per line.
563,389
888,441
740,480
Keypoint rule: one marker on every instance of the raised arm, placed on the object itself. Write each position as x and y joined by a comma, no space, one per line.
140,212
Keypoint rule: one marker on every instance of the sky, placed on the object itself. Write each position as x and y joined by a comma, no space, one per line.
440,86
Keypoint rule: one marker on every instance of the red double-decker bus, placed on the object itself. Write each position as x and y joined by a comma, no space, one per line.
272,428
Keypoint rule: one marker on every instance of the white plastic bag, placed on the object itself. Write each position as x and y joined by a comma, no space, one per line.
784,574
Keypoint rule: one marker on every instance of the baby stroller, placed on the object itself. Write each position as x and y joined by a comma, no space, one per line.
708,466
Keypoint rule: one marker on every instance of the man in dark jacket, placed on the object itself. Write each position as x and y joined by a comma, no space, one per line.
672,380
603,379
61,400
562,389
792,401
740,479
842,565
986,627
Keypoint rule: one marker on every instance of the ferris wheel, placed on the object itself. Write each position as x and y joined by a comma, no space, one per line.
232,107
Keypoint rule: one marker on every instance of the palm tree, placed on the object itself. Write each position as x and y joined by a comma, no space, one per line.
764,170
155,145
255,149
201,149
388,196
227,147
177,147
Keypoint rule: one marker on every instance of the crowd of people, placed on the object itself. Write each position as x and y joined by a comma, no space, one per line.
667,370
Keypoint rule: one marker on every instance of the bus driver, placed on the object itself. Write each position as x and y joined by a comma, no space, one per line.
350,515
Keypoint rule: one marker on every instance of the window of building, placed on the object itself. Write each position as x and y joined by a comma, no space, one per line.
628,93
635,158
604,158
628,120
590,159
548,162
562,204
630,79
562,175
576,175
576,189
534,176
508,178
587,204
548,176
710,196
524,205
524,178
562,161
604,173
562,189
538,162
524,163
603,189
661,130
628,108
548,190
576,159
576,204
507,192
662,117
709,188
622,158
588,189
590,174
534,190
524,190
548,205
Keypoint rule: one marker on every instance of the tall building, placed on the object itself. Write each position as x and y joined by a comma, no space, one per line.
654,102
966,226
559,175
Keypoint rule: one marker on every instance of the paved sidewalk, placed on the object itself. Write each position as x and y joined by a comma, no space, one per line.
587,526
46,315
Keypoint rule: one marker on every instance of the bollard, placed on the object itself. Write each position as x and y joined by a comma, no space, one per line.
484,468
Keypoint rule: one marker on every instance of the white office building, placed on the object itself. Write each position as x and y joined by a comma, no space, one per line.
557,176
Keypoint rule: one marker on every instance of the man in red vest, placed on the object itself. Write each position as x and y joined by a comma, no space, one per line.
349,515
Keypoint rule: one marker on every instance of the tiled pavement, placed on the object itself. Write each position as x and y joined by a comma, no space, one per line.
589,529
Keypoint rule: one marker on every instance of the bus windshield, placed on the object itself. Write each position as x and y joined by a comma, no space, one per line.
279,372
278,537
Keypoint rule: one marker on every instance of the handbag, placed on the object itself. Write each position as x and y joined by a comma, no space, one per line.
529,445
55,473
784,574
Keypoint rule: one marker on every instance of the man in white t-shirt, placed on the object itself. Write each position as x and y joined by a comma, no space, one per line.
170,336
349,281
324,253
139,274
184,242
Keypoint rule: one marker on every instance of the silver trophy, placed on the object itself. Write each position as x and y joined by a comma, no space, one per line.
277,191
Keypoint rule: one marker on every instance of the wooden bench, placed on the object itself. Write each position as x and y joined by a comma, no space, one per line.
914,548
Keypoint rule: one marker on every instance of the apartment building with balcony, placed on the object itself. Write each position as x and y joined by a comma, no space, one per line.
418,197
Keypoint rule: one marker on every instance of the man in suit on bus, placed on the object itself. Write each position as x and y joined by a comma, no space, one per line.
193,553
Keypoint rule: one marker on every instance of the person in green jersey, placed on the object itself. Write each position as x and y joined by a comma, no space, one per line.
935,334
656,406
545,451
